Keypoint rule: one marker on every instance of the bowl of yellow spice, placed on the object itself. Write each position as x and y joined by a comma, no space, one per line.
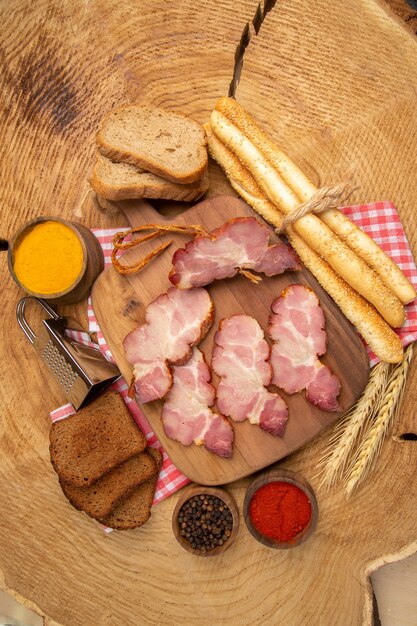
55,259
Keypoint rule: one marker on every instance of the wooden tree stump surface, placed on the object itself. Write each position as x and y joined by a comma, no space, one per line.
335,84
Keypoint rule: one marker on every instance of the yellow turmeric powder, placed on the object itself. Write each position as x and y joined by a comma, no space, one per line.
49,258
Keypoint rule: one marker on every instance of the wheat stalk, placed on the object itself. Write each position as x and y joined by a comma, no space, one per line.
348,430
388,409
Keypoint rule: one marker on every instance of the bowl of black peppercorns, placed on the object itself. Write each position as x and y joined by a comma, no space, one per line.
205,520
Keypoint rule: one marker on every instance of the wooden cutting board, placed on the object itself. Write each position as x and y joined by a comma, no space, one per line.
120,302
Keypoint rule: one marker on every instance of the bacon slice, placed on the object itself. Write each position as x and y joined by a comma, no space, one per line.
297,328
175,321
241,243
186,414
240,358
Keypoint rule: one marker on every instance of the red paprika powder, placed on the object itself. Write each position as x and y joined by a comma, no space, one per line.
280,510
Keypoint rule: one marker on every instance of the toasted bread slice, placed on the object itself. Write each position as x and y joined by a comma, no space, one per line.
167,144
135,510
97,438
100,498
122,181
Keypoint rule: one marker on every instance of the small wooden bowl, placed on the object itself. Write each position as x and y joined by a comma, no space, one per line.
197,490
281,475
93,262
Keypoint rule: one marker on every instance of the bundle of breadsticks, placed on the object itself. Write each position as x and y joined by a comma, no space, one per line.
365,283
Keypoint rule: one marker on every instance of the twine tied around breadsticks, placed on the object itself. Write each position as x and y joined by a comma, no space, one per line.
322,200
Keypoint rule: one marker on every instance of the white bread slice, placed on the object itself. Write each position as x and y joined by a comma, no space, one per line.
373,328
168,144
122,181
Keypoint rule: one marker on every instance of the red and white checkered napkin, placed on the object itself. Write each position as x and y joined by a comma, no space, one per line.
380,220
170,478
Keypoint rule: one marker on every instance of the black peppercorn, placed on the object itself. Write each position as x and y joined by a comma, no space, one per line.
205,521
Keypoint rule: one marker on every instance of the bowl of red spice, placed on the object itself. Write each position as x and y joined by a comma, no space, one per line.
205,520
280,509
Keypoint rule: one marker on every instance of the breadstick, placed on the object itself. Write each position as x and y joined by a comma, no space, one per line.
314,232
371,253
357,239
376,332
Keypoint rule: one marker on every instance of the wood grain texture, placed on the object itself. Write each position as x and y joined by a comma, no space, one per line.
253,448
405,13
334,102
336,87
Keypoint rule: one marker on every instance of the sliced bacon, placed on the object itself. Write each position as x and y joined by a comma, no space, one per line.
175,321
240,358
186,414
297,328
241,243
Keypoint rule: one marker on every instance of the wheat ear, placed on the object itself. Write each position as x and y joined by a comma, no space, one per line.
346,434
388,409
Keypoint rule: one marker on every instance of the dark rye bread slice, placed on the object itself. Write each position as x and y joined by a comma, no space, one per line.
135,510
94,440
167,144
100,498
123,181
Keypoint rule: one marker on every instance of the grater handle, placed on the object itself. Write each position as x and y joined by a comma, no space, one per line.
22,321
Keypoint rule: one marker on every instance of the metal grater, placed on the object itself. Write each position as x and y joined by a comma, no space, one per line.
81,371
